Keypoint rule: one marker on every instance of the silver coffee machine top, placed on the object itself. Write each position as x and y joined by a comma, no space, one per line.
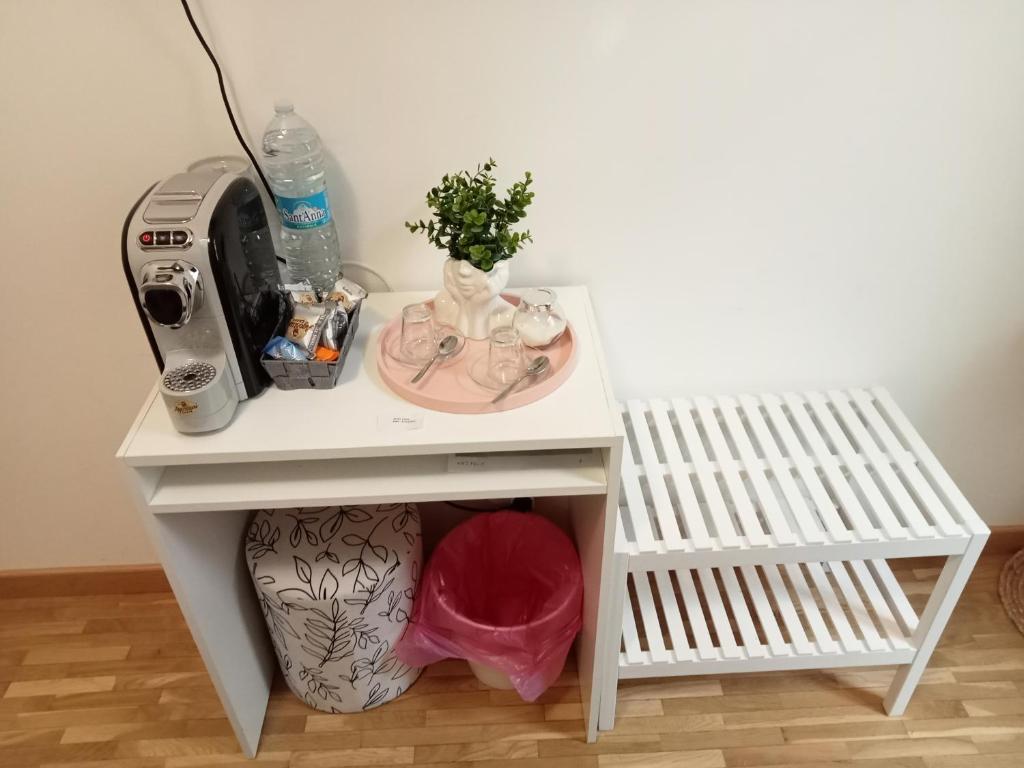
199,258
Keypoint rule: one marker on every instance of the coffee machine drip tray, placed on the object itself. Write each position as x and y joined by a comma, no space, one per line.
198,390
189,377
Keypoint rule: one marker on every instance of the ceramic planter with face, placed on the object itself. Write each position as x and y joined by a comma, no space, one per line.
471,298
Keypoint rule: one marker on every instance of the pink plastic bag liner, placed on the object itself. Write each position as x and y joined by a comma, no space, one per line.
503,589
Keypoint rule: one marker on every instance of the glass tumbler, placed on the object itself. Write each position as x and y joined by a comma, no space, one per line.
505,355
539,318
418,343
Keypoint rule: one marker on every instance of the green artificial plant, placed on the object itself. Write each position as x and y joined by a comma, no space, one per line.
470,222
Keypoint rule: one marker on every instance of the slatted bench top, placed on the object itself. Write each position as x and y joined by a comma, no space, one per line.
775,472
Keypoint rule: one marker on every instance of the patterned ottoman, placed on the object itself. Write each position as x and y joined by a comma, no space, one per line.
336,586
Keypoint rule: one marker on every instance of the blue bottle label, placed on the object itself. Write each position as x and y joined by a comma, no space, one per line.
304,212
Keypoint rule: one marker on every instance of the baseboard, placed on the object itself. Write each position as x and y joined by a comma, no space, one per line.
88,580
143,579
1005,540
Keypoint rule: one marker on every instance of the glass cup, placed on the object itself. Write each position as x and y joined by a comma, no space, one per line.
418,343
505,355
539,318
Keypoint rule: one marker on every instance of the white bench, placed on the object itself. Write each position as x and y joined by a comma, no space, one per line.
754,534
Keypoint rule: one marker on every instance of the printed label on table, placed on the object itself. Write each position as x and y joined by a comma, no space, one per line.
477,462
400,422
467,462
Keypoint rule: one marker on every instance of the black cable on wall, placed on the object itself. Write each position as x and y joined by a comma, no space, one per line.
224,96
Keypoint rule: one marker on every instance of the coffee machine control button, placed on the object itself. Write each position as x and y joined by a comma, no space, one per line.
179,237
163,238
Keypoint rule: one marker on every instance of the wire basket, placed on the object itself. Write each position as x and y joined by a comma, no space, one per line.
313,374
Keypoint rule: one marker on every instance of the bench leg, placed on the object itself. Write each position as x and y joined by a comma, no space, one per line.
932,623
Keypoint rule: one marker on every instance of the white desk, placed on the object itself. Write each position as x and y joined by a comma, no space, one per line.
317,447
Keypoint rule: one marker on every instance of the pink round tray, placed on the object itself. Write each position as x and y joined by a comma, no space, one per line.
451,389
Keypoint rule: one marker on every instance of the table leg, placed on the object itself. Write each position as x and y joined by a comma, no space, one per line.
593,521
203,556
616,600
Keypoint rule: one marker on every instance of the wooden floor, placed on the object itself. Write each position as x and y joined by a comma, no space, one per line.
115,682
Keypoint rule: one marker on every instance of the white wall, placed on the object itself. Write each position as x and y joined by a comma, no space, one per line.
99,100
760,195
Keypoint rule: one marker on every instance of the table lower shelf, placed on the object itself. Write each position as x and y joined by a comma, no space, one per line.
764,617
432,477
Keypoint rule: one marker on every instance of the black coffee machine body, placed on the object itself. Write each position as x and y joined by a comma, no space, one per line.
200,262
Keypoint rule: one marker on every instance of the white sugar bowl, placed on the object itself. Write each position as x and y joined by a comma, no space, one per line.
539,318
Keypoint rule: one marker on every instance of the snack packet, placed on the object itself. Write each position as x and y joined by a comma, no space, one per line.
337,326
307,326
347,294
279,348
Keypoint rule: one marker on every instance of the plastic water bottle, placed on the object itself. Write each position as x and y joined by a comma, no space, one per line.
293,162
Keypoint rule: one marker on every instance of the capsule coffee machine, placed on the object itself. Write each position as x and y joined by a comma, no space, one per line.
199,259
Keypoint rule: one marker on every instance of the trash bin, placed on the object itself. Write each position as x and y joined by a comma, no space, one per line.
504,591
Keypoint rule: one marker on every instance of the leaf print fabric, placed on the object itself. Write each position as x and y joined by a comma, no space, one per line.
336,587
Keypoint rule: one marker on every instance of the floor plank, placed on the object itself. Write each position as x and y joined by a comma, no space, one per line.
114,681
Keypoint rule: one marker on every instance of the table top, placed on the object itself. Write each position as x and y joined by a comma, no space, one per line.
357,417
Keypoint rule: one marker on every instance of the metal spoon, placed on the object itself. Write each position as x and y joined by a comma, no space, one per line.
538,366
445,349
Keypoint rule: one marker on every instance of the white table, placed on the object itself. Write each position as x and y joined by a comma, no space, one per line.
319,447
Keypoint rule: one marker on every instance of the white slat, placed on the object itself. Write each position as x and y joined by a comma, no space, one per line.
907,507
652,468
765,616
636,507
724,529
856,606
834,524
931,465
748,633
693,518
879,605
850,642
897,599
630,639
733,482
830,466
695,614
884,514
824,639
805,520
933,506
777,523
794,627
649,616
726,641
673,616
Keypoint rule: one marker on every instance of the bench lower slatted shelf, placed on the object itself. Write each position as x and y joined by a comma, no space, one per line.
754,531
757,618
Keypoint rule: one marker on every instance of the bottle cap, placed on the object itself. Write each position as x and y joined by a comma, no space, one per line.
283,106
